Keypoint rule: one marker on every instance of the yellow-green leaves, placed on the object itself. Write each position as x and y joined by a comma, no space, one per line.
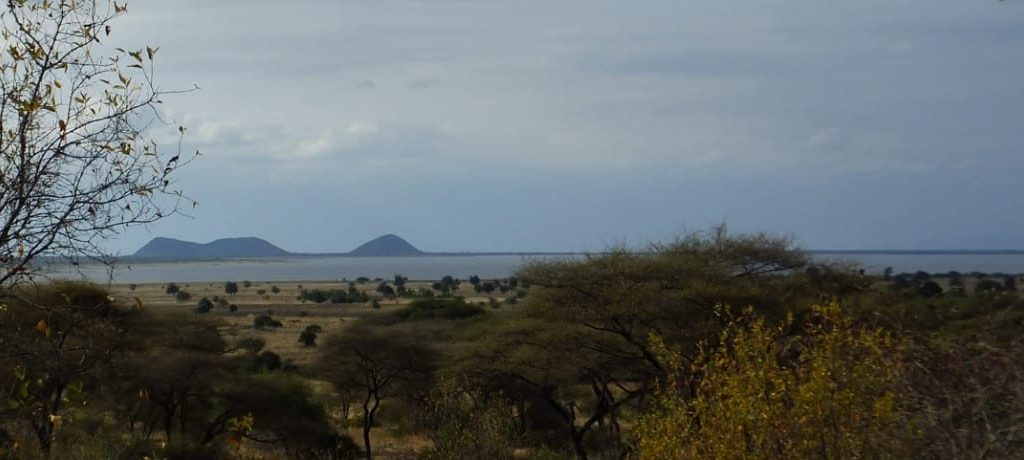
43,328
830,392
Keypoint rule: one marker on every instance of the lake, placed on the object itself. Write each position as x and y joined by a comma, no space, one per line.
484,266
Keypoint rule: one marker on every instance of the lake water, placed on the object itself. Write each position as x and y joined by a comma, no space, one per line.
489,266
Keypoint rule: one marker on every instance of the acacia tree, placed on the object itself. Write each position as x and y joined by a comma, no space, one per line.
377,365
78,163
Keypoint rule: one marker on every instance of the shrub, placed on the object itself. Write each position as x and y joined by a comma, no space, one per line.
183,296
172,289
929,289
265,322
438,308
307,338
231,287
987,285
204,306
829,393
275,289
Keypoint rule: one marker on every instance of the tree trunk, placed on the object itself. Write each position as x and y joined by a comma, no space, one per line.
577,444
369,412
45,430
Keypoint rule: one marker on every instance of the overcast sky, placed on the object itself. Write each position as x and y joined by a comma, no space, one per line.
572,125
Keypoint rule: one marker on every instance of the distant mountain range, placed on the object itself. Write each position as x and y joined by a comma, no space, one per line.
394,246
227,248
253,248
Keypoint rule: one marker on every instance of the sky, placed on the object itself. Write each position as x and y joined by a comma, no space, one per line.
574,125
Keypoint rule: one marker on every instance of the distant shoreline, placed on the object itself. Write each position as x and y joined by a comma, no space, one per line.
906,252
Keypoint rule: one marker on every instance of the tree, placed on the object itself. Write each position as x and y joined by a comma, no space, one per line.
672,289
830,391
487,287
204,306
231,287
182,296
988,285
55,340
266,321
606,306
76,166
385,290
379,366
929,289
574,380
172,289
308,336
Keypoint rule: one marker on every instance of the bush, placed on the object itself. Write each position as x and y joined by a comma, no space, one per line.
204,306
334,296
987,285
231,287
172,289
438,308
262,322
307,338
183,296
275,289
830,392
929,289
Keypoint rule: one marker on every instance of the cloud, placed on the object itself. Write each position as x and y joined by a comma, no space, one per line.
829,140
875,94
426,83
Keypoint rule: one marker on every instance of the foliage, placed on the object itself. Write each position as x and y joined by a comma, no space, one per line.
334,296
265,322
182,296
172,289
462,431
385,290
204,306
231,287
308,336
54,340
967,398
450,309
379,366
987,285
829,392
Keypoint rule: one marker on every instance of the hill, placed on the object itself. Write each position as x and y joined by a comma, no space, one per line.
386,246
226,248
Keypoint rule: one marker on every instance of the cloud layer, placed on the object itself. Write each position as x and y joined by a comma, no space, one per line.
560,125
